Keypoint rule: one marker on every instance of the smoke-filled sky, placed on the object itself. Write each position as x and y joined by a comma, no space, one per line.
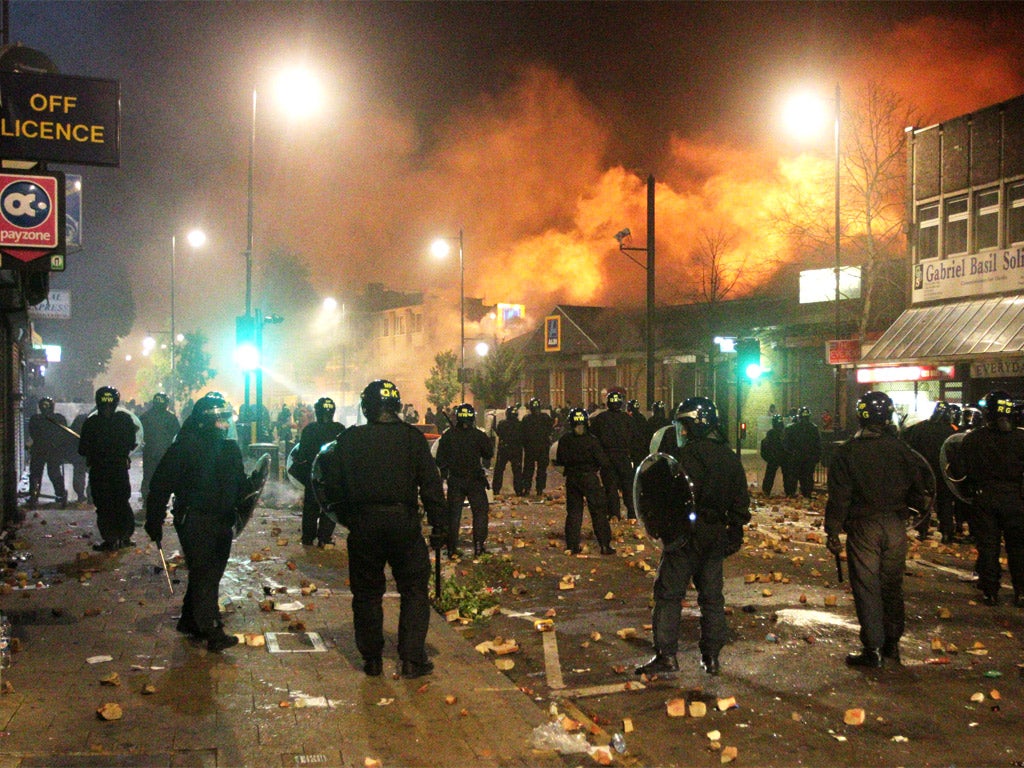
530,126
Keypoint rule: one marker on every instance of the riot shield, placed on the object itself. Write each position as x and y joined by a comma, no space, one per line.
325,465
257,479
952,474
663,498
918,516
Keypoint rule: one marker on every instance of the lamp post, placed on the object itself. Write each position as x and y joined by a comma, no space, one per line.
623,237
441,249
835,412
196,238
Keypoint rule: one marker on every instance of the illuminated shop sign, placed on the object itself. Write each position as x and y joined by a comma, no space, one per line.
906,373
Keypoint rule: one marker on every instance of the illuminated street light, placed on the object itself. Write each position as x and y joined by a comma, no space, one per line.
482,348
804,114
197,239
440,249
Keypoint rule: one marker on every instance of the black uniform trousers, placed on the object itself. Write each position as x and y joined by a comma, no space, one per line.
580,486
876,548
770,471
206,543
535,462
54,465
389,535
512,456
619,481
701,560
315,524
460,489
998,519
111,493
800,474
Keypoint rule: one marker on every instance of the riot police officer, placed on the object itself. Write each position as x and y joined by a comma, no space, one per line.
49,450
926,438
317,527
802,441
619,437
582,457
107,440
773,451
510,451
537,428
696,548
462,453
159,427
368,480
993,460
872,480
204,471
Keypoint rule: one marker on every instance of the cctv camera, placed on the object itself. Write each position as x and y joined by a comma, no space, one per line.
622,234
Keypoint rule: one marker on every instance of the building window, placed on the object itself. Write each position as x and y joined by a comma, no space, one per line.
986,220
400,330
954,240
417,323
927,231
1015,213
557,388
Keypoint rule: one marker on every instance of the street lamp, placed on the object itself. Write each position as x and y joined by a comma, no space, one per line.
441,249
196,238
624,238
806,114
299,92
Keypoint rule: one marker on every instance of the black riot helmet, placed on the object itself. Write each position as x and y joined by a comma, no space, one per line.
465,415
161,401
512,412
615,400
578,416
380,396
971,418
804,414
998,408
107,399
778,422
324,410
954,414
940,414
658,409
874,409
633,406
210,409
533,404
46,406
699,415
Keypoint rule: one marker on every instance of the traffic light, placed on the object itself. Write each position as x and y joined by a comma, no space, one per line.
748,358
247,353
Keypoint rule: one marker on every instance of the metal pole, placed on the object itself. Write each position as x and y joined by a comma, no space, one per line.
462,318
173,388
836,412
650,292
249,231
259,376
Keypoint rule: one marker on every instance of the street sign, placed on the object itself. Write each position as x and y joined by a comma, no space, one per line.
57,306
47,117
31,215
843,351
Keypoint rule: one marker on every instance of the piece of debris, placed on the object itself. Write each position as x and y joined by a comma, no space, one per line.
112,679
504,664
148,689
109,711
729,754
854,716
978,697
676,707
626,633
728,702
697,709
372,762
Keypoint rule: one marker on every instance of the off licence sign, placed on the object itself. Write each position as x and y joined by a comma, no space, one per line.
31,219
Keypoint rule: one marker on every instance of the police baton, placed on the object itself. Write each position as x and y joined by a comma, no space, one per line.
163,562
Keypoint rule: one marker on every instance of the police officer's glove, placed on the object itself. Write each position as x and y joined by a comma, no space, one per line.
733,538
833,544
155,531
438,536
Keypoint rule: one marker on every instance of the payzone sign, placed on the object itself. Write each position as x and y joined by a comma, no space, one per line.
31,215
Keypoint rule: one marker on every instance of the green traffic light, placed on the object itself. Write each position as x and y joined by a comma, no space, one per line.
753,371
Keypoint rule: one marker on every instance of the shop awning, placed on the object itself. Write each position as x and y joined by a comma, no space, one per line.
956,331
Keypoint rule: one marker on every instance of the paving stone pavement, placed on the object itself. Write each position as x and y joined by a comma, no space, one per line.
246,706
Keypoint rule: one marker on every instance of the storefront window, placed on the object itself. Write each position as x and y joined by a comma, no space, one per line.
1015,213
986,220
955,234
927,231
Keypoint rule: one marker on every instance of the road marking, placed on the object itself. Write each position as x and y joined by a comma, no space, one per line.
598,690
552,666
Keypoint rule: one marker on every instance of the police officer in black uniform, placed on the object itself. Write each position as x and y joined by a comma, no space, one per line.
773,451
619,436
926,438
803,448
696,549
582,457
49,450
657,421
369,479
204,471
873,478
108,437
993,460
462,453
537,428
159,428
510,451
317,527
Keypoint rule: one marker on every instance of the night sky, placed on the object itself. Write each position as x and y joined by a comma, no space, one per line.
531,126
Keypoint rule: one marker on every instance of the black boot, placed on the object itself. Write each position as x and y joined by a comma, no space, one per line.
413,669
709,662
218,640
188,626
868,657
660,664
891,651
606,549
373,666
